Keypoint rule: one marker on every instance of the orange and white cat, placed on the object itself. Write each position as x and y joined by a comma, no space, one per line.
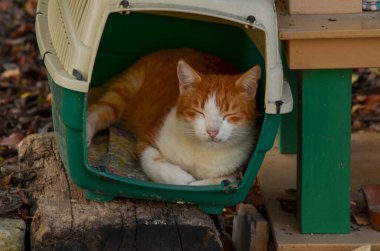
191,113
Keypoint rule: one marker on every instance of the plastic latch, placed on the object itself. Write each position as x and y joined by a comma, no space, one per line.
278,106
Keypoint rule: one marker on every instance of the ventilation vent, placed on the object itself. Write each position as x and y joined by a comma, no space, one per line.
78,10
59,35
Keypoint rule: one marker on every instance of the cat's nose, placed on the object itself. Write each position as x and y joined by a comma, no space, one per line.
212,133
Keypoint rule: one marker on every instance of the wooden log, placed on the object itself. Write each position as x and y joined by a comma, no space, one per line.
250,229
64,220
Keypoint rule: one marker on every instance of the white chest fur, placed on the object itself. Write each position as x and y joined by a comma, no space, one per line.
201,159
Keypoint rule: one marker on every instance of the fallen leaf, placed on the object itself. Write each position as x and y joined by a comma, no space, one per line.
374,70
11,73
373,99
23,197
360,98
5,5
354,78
356,108
21,31
49,98
12,140
361,219
30,7
25,95
6,180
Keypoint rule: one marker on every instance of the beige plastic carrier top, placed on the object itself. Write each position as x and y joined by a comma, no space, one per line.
69,36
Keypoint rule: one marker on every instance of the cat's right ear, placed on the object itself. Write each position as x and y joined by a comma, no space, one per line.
187,76
248,80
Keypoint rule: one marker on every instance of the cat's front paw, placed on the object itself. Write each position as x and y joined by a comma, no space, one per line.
213,181
158,169
205,182
173,174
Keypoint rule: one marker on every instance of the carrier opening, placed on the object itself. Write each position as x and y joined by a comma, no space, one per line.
127,38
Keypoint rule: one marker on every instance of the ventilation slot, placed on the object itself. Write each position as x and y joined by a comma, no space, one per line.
77,10
59,37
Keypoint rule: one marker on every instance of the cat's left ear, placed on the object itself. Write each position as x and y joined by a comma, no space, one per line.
248,80
187,76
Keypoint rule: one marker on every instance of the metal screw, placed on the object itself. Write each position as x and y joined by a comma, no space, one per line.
102,168
278,106
251,19
78,75
124,3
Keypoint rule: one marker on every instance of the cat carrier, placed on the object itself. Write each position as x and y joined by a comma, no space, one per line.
84,43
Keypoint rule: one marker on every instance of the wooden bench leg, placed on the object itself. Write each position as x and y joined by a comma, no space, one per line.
323,175
287,137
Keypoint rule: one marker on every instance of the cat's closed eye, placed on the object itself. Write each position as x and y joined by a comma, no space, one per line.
235,118
193,112
229,115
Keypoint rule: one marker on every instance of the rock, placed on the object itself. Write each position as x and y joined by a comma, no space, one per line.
12,234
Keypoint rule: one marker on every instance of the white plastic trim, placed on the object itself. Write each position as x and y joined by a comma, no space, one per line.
285,102
287,99
61,77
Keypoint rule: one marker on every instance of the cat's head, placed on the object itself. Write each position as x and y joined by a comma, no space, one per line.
217,108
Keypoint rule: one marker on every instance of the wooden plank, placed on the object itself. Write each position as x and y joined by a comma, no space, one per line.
324,151
363,25
332,53
279,173
64,220
250,230
324,6
329,41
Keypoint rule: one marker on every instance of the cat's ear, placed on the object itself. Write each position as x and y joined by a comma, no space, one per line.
248,80
187,76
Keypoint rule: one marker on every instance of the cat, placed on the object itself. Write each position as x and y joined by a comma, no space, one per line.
191,112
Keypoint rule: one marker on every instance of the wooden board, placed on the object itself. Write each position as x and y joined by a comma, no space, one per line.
332,53
363,25
324,6
329,41
279,173
64,220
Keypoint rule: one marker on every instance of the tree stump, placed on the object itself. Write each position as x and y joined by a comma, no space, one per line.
64,220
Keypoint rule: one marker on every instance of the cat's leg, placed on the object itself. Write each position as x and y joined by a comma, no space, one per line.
159,170
99,117
109,108
213,181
